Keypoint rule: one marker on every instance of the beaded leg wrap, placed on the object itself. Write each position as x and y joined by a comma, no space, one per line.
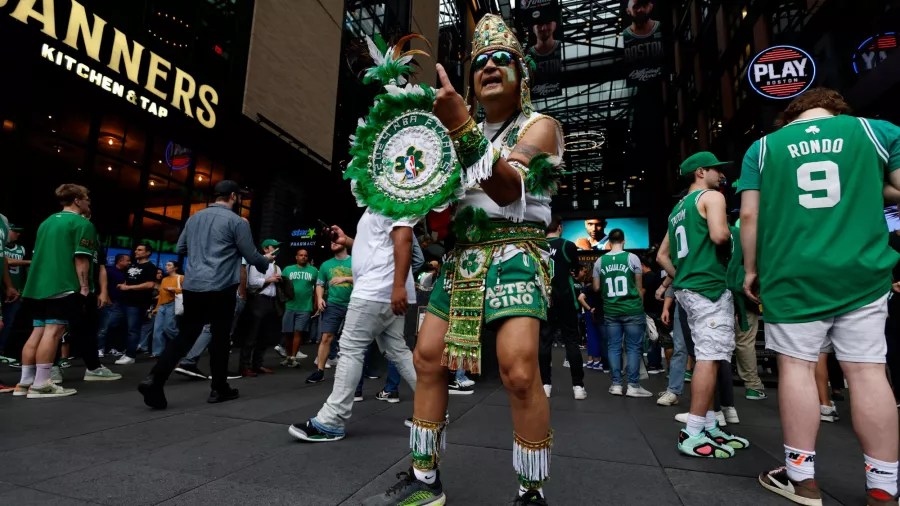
531,460
425,438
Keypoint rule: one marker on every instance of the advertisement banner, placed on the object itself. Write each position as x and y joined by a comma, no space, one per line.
873,51
643,43
781,72
593,233
542,20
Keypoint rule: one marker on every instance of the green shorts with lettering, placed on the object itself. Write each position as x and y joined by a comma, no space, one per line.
517,294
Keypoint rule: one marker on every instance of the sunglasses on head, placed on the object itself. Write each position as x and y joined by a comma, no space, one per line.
501,59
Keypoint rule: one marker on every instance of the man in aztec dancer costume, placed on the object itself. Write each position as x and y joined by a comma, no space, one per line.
498,274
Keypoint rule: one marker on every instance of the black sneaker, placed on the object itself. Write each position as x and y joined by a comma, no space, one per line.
308,432
217,396
655,370
455,388
316,377
153,394
371,375
531,498
410,491
233,375
191,371
392,397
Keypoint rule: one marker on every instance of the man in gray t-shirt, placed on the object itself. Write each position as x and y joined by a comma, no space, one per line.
214,241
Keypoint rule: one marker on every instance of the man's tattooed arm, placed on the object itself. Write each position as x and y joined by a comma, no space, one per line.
526,151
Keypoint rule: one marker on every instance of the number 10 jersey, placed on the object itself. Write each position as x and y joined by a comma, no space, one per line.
822,239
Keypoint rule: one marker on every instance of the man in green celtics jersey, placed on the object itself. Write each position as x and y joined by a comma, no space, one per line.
16,265
698,227
811,212
299,310
562,314
56,287
618,277
336,276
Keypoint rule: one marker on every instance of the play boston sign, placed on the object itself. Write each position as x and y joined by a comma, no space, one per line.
781,72
160,88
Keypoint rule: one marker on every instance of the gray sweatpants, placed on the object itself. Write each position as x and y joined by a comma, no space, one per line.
366,321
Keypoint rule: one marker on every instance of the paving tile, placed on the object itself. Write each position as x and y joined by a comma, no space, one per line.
697,488
118,483
31,497
6,486
38,463
230,493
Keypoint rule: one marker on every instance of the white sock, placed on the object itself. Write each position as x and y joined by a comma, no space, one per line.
28,374
882,475
800,464
710,422
695,424
426,476
523,491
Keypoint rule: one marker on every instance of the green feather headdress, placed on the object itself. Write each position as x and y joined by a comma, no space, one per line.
391,64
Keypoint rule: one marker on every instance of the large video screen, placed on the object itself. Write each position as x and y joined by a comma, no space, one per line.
892,217
593,233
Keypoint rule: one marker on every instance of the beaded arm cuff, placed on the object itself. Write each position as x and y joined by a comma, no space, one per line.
474,152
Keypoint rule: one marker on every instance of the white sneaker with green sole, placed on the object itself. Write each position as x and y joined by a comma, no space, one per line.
49,391
101,374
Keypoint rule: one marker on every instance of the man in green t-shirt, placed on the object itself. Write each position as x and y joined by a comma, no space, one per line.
56,286
298,310
816,254
16,264
698,229
335,276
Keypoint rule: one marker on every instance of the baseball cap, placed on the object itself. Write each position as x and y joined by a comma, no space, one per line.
15,228
270,242
701,160
228,187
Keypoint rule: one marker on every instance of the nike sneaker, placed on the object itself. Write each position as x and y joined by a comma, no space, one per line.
702,445
801,492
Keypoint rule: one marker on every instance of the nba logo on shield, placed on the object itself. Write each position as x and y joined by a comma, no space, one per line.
411,171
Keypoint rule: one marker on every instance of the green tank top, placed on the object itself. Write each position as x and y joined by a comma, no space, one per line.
16,273
821,217
698,267
620,292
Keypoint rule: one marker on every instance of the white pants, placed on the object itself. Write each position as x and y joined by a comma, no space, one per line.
366,321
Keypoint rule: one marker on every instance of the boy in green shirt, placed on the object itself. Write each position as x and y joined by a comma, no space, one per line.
336,276
299,310
56,286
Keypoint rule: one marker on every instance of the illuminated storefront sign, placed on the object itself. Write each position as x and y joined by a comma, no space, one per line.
873,51
180,92
781,72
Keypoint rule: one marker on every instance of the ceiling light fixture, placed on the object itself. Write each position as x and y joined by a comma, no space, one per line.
109,168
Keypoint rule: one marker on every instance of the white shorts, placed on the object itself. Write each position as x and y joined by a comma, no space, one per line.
711,324
857,336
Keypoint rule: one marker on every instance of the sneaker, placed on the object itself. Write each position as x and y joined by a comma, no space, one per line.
286,362
530,498
49,391
217,396
191,371
20,390
6,360
466,383
615,389
456,388
392,397
279,349
263,370
232,375
248,373
655,370
801,492
878,497
64,363
410,491
408,422
688,375
702,446
115,353
101,374
358,397
720,418
580,392
5,389
331,362
56,376
125,360
371,375
300,355
327,363
308,432
637,391
547,390
730,414
589,364
316,377
154,395
728,439
667,399
100,354
752,394
829,413
566,363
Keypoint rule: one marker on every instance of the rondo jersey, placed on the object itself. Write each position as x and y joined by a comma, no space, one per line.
698,267
616,272
821,215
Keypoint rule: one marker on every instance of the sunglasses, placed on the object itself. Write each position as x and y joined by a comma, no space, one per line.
500,58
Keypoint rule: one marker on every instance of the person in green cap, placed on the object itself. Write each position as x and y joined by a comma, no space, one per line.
299,310
262,321
698,227
335,276
16,267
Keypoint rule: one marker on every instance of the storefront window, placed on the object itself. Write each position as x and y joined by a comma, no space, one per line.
165,198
